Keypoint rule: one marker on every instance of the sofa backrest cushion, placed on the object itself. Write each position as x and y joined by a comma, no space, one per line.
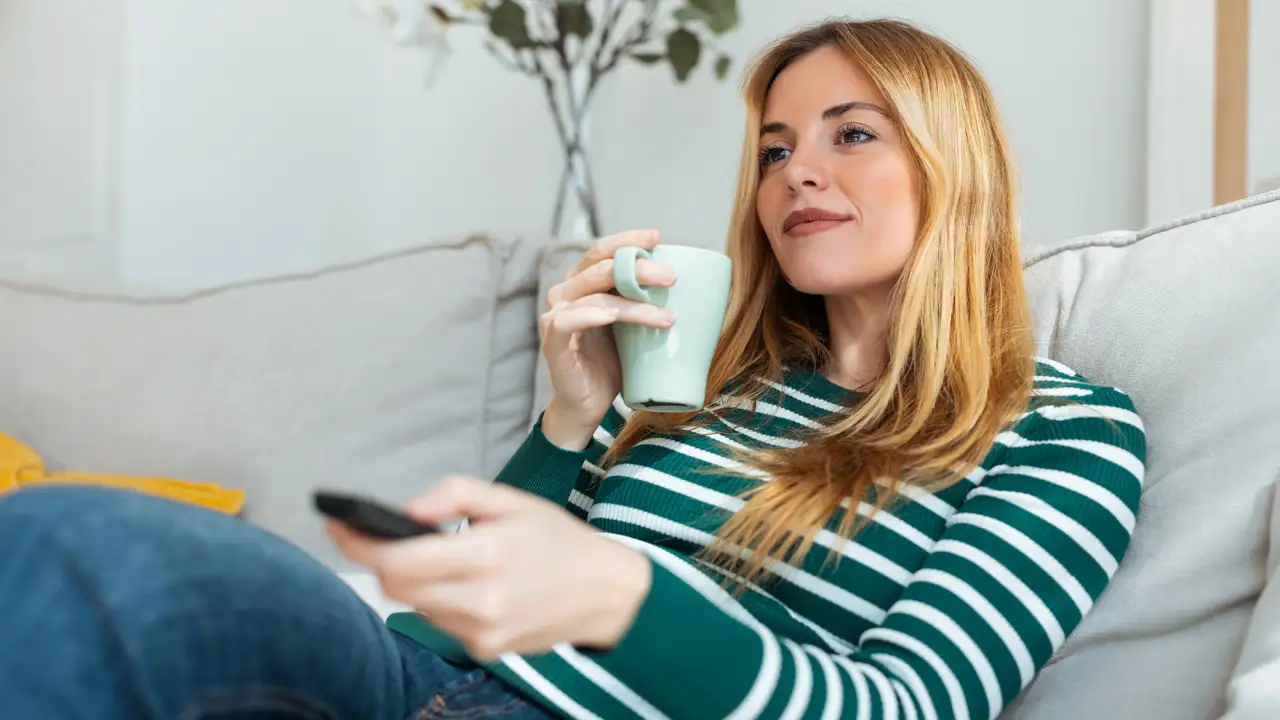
514,354
369,376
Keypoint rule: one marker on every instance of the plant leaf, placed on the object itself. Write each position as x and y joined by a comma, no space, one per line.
573,18
507,21
723,63
648,58
683,48
721,15
689,13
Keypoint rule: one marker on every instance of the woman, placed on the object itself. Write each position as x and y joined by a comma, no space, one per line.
888,508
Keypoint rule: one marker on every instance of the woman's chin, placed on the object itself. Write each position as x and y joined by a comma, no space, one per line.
818,283
822,281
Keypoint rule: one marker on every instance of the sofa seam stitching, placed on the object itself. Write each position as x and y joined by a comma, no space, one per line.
160,297
1131,237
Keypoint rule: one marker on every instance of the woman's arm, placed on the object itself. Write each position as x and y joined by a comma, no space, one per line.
567,478
1018,567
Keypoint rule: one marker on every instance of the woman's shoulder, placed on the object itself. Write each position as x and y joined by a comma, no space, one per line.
1058,385
1068,411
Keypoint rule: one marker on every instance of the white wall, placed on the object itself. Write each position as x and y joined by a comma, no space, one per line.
268,135
1070,79
259,136
59,109
1264,96
1180,108
246,142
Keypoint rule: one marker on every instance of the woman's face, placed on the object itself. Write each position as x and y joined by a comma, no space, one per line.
837,195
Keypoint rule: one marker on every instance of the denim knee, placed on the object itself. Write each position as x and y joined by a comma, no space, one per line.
110,529
131,544
74,511
56,501
47,509
128,605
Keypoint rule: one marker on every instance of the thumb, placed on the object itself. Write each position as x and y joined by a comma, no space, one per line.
459,497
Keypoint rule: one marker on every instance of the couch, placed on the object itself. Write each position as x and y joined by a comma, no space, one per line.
384,374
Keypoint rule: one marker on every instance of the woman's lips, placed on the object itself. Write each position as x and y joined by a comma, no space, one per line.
814,227
811,221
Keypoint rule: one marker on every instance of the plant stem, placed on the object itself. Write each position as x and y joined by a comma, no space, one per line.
549,91
637,34
577,172
557,215
586,188
559,74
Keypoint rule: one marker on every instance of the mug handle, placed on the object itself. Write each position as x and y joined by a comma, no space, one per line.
624,273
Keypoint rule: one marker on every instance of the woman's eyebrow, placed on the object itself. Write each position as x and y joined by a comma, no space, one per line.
830,113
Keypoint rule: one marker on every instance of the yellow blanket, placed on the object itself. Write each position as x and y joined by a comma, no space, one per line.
20,466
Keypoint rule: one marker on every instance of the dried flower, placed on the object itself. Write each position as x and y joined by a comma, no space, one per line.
415,24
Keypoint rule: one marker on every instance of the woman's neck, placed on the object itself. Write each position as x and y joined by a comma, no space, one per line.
859,328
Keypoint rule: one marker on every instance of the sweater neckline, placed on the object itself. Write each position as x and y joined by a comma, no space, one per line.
811,381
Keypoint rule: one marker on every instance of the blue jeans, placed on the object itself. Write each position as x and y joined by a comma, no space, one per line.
117,605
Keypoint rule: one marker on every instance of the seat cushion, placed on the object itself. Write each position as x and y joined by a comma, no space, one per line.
369,376
1183,317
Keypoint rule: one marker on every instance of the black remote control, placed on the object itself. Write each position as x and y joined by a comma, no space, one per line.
368,517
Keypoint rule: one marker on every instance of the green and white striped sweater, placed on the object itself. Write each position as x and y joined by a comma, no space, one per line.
943,607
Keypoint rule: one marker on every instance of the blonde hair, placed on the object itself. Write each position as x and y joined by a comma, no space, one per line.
960,361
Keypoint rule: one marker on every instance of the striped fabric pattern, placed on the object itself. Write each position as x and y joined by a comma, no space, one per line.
945,606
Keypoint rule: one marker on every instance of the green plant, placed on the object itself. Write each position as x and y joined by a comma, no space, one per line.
571,47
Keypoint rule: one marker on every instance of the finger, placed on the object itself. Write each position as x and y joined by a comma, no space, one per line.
356,547
599,279
559,325
605,247
402,565
448,599
464,497
445,605
474,613
600,310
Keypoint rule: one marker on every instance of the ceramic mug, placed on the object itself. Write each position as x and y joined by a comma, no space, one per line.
665,370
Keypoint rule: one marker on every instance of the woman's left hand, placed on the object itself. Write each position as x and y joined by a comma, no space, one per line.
528,575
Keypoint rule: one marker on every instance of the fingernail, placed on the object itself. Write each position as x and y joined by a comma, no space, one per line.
668,317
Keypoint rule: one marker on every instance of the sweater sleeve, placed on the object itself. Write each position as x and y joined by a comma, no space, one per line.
564,477
1020,563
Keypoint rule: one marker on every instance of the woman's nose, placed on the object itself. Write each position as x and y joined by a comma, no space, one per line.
805,171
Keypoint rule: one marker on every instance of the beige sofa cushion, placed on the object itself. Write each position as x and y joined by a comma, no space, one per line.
514,354
1183,317
369,376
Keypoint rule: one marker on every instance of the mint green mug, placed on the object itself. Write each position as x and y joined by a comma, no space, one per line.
665,370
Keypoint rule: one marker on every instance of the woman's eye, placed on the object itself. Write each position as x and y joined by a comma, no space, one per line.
772,155
855,136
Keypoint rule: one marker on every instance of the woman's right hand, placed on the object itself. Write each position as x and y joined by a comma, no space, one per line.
578,342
